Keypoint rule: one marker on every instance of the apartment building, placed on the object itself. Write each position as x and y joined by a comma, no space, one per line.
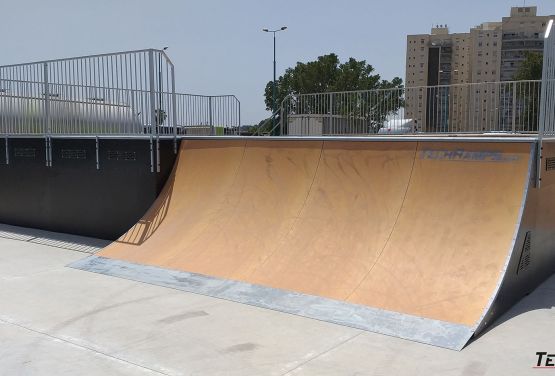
448,62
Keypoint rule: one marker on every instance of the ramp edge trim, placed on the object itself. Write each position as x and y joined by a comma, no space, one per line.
488,313
428,331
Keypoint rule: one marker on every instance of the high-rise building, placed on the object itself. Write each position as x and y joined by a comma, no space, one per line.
490,52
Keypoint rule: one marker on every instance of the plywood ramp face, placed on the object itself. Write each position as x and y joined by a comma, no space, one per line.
446,254
420,228
346,221
193,197
232,205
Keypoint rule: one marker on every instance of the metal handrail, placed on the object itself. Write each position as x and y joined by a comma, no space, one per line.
89,57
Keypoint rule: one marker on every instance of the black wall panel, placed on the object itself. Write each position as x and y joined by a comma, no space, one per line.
73,196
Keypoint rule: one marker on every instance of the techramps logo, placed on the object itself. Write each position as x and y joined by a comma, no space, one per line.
461,155
545,360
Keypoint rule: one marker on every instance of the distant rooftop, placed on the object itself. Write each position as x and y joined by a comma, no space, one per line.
524,11
440,30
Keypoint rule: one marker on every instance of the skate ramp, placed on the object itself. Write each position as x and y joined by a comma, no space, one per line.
407,238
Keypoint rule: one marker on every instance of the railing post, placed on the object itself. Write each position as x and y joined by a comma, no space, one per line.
212,130
47,119
174,111
330,125
46,100
281,118
152,104
239,114
514,108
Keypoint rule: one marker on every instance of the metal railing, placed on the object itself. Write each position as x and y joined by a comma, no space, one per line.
115,93
124,93
461,108
201,115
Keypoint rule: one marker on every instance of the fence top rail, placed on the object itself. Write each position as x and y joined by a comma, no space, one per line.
209,96
468,84
54,84
162,52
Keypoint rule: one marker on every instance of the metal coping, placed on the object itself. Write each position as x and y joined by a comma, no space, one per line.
428,331
502,138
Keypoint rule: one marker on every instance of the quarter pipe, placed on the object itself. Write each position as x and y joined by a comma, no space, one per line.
424,239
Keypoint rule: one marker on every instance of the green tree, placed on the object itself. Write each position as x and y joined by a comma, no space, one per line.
528,93
328,74
531,67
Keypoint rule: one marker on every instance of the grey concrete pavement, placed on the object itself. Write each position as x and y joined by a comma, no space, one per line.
61,321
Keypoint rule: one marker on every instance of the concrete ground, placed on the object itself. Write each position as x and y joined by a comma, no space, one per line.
56,320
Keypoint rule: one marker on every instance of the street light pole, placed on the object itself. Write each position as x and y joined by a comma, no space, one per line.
274,88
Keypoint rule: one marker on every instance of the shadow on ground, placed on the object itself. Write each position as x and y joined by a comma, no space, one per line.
542,298
53,239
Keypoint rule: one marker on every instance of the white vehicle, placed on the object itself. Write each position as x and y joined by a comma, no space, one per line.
397,126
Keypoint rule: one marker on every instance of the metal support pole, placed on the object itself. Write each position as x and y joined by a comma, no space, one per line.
48,151
7,152
330,125
212,130
174,111
47,125
97,154
160,112
151,155
157,154
152,105
281,120
239,114
514,108
274,88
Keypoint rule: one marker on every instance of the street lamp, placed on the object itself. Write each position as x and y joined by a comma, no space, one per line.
274,109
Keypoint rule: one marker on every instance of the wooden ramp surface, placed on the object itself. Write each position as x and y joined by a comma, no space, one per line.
421,228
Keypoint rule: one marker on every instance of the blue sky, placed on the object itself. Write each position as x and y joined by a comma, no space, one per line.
218,46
